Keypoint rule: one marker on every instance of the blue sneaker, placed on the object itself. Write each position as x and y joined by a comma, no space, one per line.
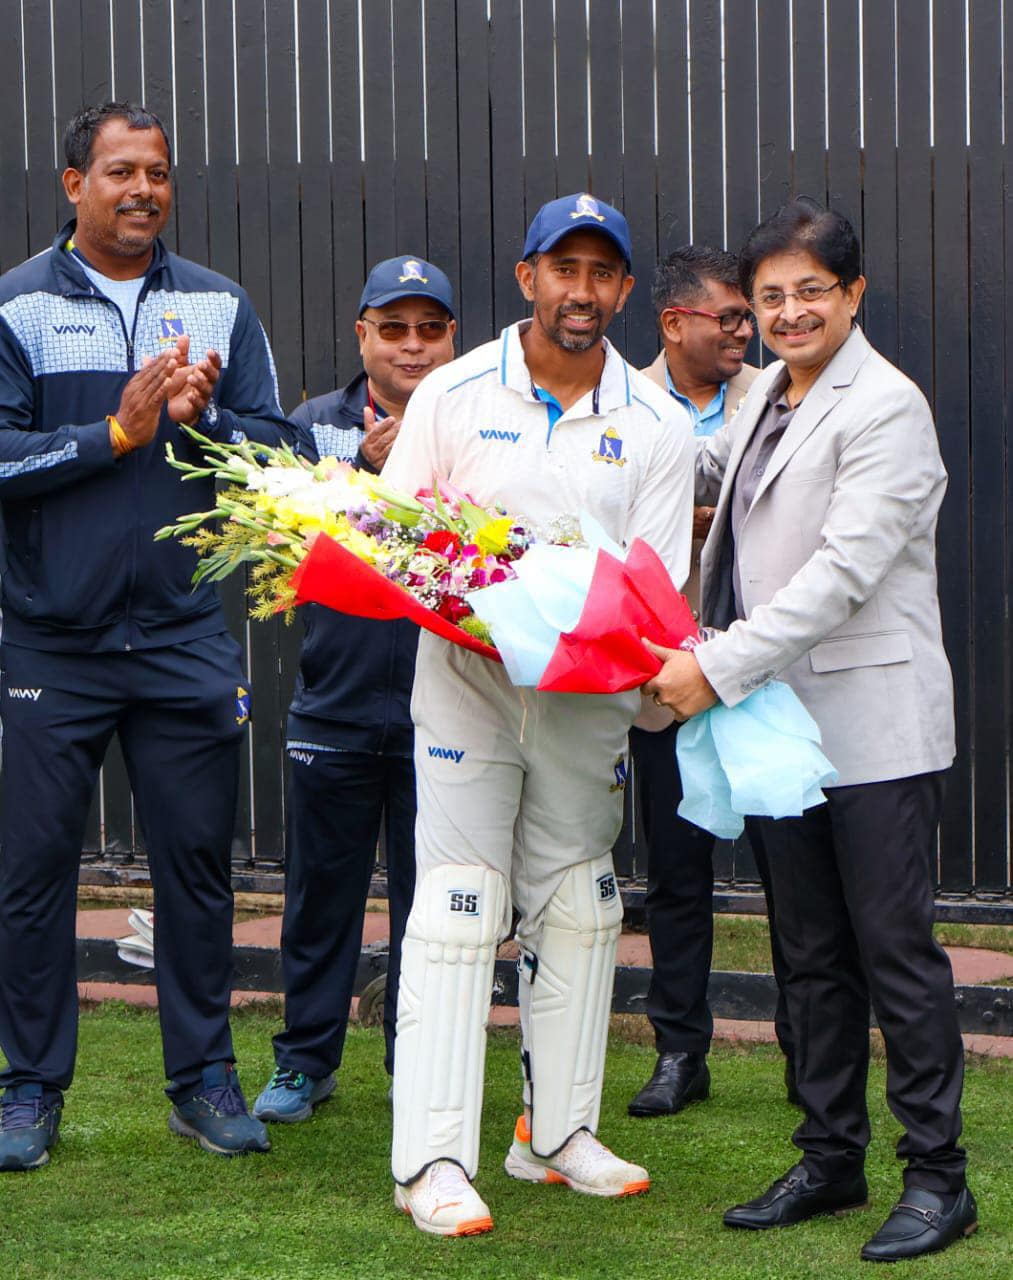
216,1116
290,1095
28,1127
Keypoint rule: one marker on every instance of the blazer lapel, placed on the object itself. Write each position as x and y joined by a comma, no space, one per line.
715,558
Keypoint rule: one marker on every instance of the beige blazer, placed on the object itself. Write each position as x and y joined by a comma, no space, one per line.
836,559
734,395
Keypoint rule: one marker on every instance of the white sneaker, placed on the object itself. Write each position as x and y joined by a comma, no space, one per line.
583,1164
443,1202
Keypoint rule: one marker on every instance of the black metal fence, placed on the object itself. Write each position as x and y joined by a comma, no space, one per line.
313,138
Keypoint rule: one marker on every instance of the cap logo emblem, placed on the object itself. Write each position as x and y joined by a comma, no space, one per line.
587,207
412,271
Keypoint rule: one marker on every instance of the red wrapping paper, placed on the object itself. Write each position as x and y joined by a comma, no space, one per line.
333,576
603,653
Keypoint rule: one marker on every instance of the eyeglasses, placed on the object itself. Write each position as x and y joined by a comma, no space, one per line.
774,299
730,321
397,330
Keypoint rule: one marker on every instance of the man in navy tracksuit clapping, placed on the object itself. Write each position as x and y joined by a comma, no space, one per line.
350,734
107,343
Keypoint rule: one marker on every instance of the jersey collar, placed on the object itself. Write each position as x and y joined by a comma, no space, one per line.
613,389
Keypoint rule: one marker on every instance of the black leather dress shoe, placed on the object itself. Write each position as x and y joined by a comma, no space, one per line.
919,1223
795,1198
679,1078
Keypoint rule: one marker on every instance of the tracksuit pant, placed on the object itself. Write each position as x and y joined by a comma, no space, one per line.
853,884
680,892
336,801
180,713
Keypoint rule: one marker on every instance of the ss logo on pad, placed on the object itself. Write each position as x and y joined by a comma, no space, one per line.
464,903
606,887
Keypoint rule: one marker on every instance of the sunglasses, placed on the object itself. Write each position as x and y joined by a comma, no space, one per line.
397,330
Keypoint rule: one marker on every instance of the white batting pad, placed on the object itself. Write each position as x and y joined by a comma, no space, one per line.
447,959
565,997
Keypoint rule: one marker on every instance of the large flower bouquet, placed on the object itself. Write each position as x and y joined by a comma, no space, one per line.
564,608
561,606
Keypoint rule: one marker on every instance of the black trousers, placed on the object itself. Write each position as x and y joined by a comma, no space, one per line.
680,889
853,885
180,713
336,802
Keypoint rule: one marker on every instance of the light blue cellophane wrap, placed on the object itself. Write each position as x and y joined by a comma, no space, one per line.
527,614
760,758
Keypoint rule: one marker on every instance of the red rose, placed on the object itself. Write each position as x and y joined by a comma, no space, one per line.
442,541
453,609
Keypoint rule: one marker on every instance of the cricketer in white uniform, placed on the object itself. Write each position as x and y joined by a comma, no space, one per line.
520,793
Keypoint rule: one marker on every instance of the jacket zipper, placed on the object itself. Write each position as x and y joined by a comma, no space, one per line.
128,339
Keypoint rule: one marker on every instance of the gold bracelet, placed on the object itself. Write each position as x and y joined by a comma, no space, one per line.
121,441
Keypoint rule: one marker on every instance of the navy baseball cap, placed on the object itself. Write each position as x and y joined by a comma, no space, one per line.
396,278
579,212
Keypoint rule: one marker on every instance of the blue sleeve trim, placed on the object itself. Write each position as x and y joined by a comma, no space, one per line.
656,416
626,375
39,461
491,369
503,359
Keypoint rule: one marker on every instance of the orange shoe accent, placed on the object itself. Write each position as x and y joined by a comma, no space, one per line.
552,1176
636,1188
476,1227
522,1130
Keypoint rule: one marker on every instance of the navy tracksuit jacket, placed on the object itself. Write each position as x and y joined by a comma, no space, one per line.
103,633
350,741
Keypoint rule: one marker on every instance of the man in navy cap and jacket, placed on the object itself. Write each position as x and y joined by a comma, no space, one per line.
350,734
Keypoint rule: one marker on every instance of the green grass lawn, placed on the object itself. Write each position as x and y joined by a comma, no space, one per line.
123,1198
742,943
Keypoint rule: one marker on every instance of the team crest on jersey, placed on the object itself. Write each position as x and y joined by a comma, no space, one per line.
610,448
619,769
587,207
171,326
242,704
412,271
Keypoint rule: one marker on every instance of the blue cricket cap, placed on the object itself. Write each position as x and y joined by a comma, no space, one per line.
406,277
579,212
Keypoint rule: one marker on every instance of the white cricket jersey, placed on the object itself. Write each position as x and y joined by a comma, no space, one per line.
624,452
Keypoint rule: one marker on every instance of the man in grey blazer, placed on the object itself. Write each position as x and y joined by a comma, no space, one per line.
820,567
705,326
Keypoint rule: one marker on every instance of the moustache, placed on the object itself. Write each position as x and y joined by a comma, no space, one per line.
139,206
574,308
796,328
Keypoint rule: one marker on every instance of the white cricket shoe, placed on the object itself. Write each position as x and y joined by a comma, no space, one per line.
583,1164
443,1202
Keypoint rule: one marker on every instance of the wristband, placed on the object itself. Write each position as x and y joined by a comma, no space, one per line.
121,441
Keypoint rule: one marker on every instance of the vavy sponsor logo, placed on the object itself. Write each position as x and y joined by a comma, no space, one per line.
490,433
74,328
446,753
32,695
304,757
